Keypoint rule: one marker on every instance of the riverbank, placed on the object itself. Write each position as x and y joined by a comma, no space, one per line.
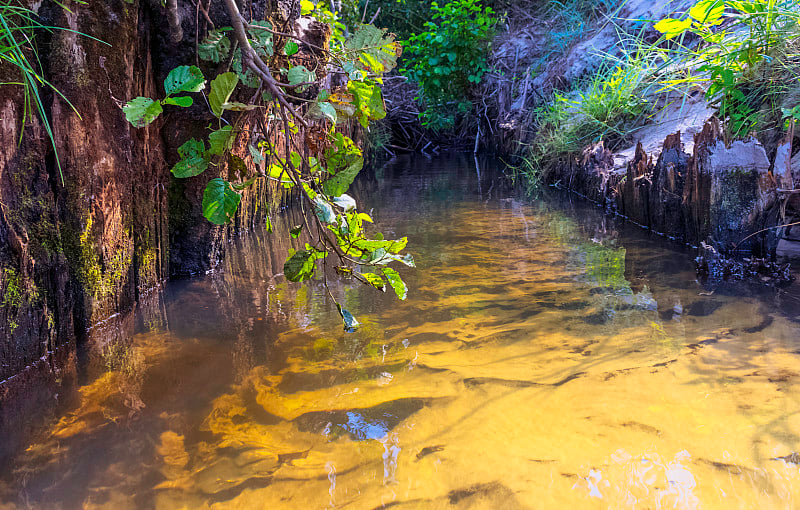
606,110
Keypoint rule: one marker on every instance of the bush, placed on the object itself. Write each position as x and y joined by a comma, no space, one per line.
449,57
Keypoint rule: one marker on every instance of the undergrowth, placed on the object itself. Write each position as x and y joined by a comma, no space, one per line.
742,55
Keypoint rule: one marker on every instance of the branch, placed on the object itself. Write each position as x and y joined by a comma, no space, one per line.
254,62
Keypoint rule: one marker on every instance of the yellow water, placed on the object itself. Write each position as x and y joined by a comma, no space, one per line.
545,358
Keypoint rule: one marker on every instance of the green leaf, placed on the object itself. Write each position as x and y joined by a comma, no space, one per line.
142,111
262,39
350,322
708,12
300,265
396,282
340,183
221,89
220,140
184,79
269,225
382,257
324,109
215,47
299,74
344,159
248,77
368,101
192,160
183,101
375,244
375,43
374,280
671,27
295,232
237,167
291,48
220,201
324,210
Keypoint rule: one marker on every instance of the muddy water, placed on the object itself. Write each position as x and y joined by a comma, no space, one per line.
547,357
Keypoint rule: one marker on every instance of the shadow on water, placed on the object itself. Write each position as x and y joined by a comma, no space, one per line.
548,355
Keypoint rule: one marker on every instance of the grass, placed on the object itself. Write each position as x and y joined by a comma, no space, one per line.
19,27
749,68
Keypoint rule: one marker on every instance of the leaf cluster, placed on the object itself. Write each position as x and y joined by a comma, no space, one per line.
449,57
313,156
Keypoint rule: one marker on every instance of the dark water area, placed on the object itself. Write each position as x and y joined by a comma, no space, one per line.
547,356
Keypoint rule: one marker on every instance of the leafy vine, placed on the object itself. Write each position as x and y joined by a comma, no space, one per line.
302,107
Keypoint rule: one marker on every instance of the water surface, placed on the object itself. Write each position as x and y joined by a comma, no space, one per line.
547,357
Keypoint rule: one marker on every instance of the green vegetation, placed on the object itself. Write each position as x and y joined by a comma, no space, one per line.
19,27
286,85
448,58
742,55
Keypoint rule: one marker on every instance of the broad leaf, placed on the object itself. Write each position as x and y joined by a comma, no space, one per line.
708,12
237,167
306,7
214,47
368,101
299,74
193,161
374,280
183,101
220,201
291,48
373,244
300,265
377,49
184,79
323,110
258,158
220,140
142,111
324,210
346,202
262,39
671,27
221,89
239,107
344,160
396,282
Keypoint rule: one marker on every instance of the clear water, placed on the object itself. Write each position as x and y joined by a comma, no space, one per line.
547,357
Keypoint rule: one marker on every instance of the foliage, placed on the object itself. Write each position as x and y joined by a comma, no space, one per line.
740,53
321,177
737,40
448,58
19,27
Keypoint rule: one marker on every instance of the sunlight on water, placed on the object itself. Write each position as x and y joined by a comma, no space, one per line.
544,359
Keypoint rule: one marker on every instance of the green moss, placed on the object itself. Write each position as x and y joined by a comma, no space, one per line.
17,290
99,283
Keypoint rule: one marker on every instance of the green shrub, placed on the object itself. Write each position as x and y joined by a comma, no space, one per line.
449,58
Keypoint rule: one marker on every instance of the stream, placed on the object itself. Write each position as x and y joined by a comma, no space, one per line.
547,356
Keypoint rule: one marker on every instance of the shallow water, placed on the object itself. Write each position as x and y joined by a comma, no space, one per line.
547,357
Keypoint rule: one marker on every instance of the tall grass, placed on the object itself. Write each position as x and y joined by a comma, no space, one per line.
747,63
19,28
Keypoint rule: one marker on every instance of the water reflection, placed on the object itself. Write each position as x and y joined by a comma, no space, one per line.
546,358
